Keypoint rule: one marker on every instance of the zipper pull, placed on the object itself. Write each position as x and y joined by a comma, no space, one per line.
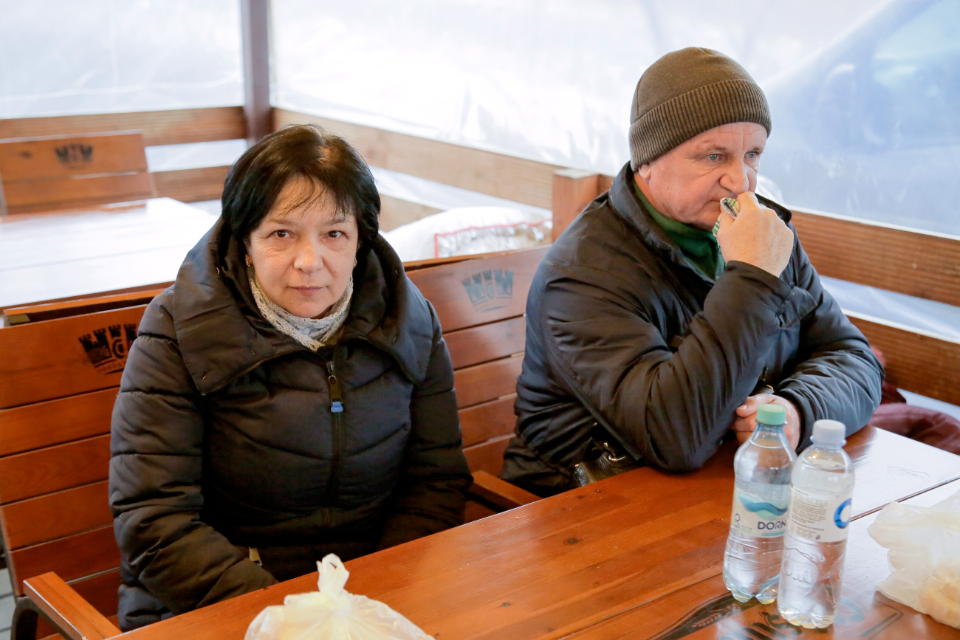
336,397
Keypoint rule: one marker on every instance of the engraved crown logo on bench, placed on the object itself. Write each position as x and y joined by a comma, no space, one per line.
109,353
490,289
75,156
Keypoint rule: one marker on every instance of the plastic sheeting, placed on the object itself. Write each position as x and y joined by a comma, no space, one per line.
861,91
60,57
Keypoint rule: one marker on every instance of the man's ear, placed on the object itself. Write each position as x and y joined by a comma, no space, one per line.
644,172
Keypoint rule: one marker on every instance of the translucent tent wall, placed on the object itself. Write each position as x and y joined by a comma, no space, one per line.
865,94
60,57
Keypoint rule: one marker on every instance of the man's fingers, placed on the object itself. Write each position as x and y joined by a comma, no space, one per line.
751,404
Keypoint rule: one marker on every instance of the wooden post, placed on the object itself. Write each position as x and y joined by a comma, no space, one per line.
255,24
573,190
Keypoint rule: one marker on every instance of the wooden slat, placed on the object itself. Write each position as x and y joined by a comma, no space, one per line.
32,474
44,627
487,456
501,493
517,179
175,126
75,557
191,185
572,191
479,291
55,421
93,304
100,591
924,364
487,381
48,359
488,420
68,609
56,515
923,265
395,212
476,510
48,195
59,157
486,342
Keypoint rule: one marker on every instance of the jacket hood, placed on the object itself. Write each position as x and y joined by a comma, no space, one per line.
222,334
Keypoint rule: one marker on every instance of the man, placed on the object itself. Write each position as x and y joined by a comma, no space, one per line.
645,330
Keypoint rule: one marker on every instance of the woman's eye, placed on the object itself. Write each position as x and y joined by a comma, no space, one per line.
280,233
335,234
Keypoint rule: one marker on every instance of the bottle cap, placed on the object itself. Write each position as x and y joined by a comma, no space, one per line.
772,415
829,432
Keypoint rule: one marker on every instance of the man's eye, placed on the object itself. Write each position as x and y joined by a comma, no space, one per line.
713,157
753,155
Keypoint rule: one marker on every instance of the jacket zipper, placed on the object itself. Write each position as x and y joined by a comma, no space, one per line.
336,412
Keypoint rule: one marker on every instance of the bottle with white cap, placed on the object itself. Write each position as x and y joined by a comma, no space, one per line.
817,526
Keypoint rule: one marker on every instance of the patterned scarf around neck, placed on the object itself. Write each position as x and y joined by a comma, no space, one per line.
312,333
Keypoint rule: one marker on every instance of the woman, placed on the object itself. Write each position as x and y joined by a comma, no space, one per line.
290,396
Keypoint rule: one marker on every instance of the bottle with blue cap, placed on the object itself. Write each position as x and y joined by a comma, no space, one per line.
817,527
763,464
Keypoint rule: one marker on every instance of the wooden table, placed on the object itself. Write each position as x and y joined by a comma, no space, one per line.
636,556
112,248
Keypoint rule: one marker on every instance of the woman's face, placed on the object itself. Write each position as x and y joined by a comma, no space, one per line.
304,250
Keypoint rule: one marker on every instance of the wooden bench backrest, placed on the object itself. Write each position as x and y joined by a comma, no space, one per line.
49,173
911,262
481,304
57,390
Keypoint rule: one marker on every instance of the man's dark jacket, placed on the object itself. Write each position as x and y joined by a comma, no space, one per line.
223,436
624,331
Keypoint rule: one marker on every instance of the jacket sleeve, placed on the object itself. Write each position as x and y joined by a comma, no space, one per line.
155,481
431,493
837,376
672,408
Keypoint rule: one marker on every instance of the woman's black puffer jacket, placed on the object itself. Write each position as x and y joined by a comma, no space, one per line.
224,436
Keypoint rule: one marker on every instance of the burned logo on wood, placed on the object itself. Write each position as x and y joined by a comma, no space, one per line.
490,289
75,156
107,348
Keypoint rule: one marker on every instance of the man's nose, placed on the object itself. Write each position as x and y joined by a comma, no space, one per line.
309,256
734,178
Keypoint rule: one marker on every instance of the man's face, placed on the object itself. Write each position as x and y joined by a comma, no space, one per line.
687,183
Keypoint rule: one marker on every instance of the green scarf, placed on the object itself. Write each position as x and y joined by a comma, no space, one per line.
698,246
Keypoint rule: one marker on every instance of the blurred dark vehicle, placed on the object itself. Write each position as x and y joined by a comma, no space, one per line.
870,126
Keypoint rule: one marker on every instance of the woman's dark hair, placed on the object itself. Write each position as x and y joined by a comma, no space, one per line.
328,161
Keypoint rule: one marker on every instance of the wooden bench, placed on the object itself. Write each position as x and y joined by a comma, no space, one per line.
56,172
59,384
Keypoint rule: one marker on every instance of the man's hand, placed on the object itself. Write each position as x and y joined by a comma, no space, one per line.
746,422
758,236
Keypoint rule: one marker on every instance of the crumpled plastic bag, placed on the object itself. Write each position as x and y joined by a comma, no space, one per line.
332,614
924,557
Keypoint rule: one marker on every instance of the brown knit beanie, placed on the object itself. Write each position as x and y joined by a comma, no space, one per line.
685,93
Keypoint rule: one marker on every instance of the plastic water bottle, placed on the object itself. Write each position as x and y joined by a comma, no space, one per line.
751,563
820,509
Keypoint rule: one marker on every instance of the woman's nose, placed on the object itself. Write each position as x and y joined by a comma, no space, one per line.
309,257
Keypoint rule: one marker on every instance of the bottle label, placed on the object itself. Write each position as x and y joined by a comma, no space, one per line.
819,516
760,509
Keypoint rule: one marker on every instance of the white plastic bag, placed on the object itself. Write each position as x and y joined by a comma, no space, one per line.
332,614
924,544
